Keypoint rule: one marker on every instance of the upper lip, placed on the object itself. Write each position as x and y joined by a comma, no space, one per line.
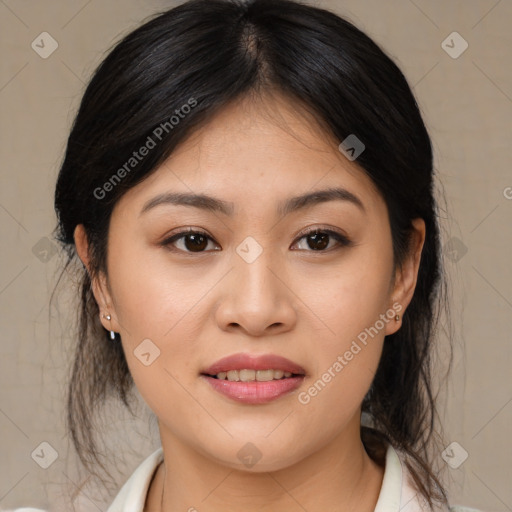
253,362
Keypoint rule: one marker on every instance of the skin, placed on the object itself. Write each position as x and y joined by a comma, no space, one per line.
292,301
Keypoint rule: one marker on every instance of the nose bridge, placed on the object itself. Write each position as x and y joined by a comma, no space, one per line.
255,298
253,277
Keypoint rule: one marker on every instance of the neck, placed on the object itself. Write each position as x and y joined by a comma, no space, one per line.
339,476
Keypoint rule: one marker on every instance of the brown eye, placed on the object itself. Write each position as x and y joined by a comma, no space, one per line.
195,242
319,240
190,241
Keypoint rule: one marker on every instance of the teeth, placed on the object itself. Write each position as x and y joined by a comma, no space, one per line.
251,375
232,375
247,375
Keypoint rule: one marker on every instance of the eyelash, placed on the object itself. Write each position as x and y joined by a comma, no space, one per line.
342,240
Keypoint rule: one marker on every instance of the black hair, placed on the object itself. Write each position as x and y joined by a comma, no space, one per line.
206,54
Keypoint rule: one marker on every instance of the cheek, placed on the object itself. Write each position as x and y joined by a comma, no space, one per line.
154,297
350,295
160,315
344,361
352,302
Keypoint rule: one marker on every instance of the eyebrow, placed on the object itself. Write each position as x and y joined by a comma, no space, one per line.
286,207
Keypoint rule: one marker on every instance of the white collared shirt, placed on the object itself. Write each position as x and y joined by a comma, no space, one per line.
396,494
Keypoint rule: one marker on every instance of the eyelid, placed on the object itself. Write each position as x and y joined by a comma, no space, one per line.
173,237
342,239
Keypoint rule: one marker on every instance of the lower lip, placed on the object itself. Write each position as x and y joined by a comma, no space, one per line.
255,392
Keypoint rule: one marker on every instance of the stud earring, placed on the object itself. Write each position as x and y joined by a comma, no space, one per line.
112,333
397,318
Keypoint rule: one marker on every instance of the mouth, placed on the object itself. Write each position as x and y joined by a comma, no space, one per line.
248,375
242,365
254,379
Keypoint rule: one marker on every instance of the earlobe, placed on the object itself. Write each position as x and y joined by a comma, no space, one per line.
98,282
396,322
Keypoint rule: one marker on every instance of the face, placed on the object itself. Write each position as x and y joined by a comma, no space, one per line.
250,279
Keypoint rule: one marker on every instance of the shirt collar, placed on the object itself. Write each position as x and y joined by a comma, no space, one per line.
132,496
396,494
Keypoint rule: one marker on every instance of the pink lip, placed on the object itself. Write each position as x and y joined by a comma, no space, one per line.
254,392
242,361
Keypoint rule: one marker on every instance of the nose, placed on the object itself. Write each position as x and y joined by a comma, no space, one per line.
256,299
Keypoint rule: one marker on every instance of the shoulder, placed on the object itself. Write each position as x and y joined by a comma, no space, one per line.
132,495
398,489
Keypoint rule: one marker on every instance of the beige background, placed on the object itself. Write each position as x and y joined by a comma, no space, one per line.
467,104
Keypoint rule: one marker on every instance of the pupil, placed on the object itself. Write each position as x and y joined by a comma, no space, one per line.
196,242
320,241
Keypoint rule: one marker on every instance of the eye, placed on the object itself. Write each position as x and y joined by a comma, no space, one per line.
191,240
319,239
196,241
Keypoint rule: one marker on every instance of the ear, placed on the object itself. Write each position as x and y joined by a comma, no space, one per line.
407,275
99,283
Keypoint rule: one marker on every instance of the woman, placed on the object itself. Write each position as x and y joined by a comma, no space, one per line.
249,186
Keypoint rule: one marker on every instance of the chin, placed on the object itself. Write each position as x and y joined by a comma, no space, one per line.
256,455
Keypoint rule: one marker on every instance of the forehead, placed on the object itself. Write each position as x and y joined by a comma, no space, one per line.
253,152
